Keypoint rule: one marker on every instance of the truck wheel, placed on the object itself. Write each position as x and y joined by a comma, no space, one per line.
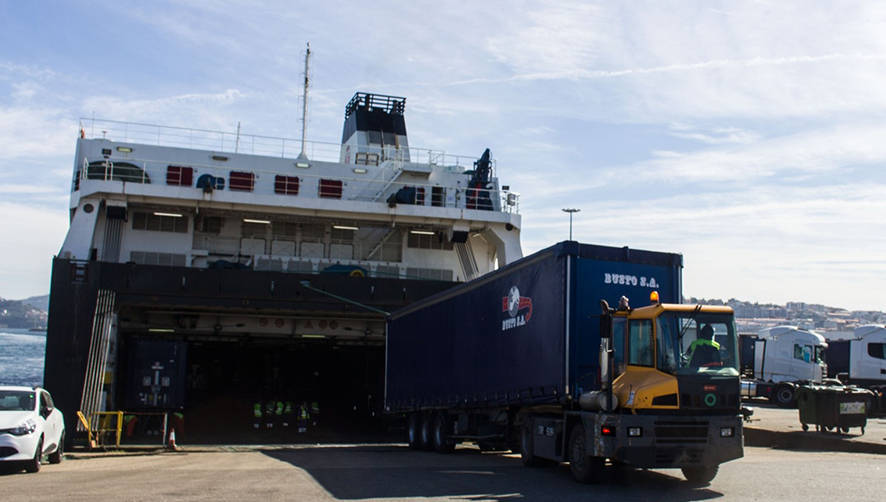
442,442
700,476
585,468
785,396
424,435
413,430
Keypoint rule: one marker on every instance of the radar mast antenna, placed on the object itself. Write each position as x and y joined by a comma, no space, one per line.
304,106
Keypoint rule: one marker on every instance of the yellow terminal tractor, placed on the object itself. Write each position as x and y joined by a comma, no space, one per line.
671,383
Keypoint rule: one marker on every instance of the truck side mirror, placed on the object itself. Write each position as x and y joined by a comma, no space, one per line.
605,320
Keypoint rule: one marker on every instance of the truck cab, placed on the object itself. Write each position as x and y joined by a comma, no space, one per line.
676,357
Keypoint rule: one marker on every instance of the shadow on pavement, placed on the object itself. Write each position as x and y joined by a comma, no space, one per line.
361,472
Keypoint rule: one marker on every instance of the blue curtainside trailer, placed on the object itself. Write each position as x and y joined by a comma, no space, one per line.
532,358
527,333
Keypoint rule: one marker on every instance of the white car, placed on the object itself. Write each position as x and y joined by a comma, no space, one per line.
30,427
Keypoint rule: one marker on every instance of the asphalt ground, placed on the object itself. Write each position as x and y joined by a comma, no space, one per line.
775,427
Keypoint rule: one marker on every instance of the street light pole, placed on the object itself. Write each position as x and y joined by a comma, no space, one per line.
570,211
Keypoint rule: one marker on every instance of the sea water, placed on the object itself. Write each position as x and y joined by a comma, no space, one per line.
21,356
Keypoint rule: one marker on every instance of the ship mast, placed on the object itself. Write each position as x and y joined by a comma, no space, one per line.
304,107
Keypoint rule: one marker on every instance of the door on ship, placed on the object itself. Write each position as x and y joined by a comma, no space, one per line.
267,390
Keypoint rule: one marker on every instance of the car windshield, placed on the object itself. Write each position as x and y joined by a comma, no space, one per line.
16,400
694,343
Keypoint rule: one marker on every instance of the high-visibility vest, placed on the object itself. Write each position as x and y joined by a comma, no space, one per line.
699,342
256,410
279,410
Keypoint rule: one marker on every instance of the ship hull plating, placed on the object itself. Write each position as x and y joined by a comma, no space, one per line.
234,355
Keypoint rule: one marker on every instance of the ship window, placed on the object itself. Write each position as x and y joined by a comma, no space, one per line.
429,274
155,223
374,137
422,241
640,343
284,228
254,230
239,180
116,171
877,350
330,189
211,224
438,196
179,175
287,185
149,258
420,196
366,159
77,180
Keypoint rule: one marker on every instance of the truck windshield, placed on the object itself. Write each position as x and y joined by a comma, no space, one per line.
689,343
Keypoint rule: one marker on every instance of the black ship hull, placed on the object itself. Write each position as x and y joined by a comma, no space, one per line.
235,352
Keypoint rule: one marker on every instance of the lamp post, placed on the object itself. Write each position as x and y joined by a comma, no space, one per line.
570,211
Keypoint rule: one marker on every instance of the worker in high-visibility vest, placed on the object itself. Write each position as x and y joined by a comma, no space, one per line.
704,350
257,415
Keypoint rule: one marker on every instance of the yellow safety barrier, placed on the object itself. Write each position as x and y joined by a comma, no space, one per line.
102,425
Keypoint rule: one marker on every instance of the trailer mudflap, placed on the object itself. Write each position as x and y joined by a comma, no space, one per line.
665,441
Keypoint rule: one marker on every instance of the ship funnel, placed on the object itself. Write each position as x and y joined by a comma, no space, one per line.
374,130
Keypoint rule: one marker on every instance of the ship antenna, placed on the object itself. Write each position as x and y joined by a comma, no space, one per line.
304,106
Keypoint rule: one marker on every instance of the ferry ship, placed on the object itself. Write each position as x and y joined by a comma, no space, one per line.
210,273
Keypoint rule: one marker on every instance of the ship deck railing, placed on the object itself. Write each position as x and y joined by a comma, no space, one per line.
236,142
377,184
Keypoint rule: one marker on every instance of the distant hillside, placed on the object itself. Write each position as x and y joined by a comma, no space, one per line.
18,314
38,302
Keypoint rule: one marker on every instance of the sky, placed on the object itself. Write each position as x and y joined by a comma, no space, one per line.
747,136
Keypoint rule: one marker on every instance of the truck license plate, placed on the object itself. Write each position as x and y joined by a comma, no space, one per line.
851,408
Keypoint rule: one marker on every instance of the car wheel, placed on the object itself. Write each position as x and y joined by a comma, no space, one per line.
33,465
425,442
59,453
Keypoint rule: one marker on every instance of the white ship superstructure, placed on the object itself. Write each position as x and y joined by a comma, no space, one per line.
381,208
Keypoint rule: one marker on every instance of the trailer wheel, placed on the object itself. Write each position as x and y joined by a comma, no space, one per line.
413,430
441,440
585,468
785,395
425,441
700,476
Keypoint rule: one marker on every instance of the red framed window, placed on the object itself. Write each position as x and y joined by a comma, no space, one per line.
287,185
179,175
242,181
330,189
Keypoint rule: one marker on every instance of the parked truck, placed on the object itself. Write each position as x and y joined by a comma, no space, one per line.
861,360
776,361
532,358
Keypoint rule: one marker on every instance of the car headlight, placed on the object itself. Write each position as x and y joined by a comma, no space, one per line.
24,429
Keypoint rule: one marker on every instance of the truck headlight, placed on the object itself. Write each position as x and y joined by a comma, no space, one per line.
635,432
727,432
24,429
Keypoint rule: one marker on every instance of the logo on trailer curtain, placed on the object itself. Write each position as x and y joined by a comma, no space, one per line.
518,308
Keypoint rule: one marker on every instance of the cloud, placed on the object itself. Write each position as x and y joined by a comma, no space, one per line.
27,261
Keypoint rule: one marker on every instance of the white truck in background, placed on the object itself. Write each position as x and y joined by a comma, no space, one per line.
860,360
776,361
